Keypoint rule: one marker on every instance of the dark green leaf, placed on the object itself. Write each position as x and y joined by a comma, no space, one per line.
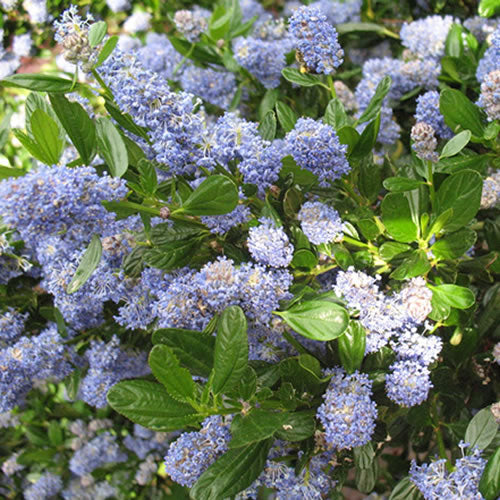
390,249
459,111
125,120
168,371
396,216
46,133
456,144
267,127
216,195
39,82
349,136
107,50
305,259
97,32
303,79
317,319
258,425
36,456
148,404
414,265
405,490
455,244
335,114
297,426
481,429
233,472
454,295
366,478
87,265
352,344
489,485
193,349
148,178
111,147
367,140
401,184
375,104
231,350
286,116
55,433
78,125
172,255
462,161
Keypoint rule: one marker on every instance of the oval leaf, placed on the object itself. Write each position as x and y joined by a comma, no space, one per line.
489,485
456,144
352,346
396,216
454,295
481,429
97,32
216,195
87,266
401,184
111,147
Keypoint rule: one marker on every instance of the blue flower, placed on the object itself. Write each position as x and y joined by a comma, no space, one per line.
409,382
428,111
320,223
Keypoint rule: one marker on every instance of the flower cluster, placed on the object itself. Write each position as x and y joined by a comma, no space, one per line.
320,223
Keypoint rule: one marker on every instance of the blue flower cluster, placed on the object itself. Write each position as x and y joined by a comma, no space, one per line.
118,5
435,481
47,486
320,223
347,414
193,452
490,95
316,147
269,244
11,326
159,56
318,49
191,24
428,112
424,142
339,12
491,59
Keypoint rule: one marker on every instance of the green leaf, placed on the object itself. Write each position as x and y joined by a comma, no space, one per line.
47,135
286,116
148,178
401,184
459,111
107,50
454,44
462,193
125,120
148,404
303,79
6,172
168,371
304,258
454,295
367,140
78,125
258,425
32,146
349,136
366,478
481,429
345,28
40,83
297,426
97,32
375,103
172,255
465,160
396,216
352,344
335,114
55,433
489,485
231,350
36,101
405,490
390,249
87,265
267,127
456,144
487,8
316,319
231,473
455,244
414,265
440,222
216,195
36,456
111,147
193,349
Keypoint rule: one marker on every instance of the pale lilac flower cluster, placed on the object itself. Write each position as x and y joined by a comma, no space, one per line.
339,12
11,326
47,486
144,441
489,99
491,58
159,56
138,21
318,49
428,111
108,364
481,27
424,142
193,452
37,10
221,224
21,45
191,24
118,5
490,196
435,482
9,62
101,490
193,297
101,450
320,222
269,244
316,147
348,413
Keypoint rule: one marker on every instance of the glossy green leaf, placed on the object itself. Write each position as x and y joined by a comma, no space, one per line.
39,82
231,350
297,426
286,116
481,429
87,265
375,103
414,265
148,404
304,258
335,114
32,146
390,249
258,425
489,485
458,111
46,133
454,41
401,184
456,144
461,192
106,50
233,472
267,127
78,125
367,140
111,147
303,79
405,490
352,344
454,295
168,371
172,255
216,195
316,319
396,216
455,244
487,8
